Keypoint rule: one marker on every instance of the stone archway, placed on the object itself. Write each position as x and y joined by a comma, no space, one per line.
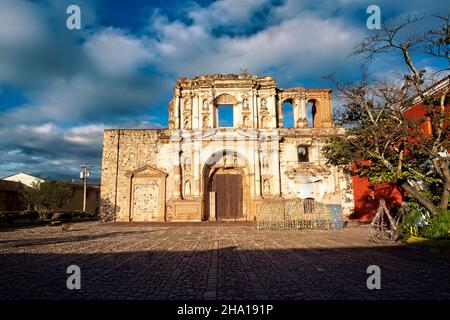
226,189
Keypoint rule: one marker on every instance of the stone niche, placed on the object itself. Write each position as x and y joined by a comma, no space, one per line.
147,194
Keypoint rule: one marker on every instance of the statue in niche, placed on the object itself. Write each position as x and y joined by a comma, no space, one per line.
263,104
187,164
187,123
187,105
266,163
266,186
245,104
246,122
187,189
205,105
263,122
205,122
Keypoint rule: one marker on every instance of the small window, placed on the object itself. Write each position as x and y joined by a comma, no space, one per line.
303,153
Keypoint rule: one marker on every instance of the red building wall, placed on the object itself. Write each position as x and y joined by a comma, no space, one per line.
366,195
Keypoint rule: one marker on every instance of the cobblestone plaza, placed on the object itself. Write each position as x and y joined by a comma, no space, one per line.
213,261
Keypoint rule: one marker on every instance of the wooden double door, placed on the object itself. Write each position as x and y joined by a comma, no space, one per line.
229,195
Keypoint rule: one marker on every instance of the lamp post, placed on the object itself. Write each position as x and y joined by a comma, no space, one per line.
84,175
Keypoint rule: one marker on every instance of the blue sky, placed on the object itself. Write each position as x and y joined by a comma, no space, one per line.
60,88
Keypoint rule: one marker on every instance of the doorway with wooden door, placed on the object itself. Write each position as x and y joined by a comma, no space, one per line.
228,196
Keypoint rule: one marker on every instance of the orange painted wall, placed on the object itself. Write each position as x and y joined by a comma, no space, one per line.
365,210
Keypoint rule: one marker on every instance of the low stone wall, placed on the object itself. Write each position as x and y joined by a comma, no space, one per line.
298,214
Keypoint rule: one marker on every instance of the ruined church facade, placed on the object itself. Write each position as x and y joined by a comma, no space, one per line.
202,168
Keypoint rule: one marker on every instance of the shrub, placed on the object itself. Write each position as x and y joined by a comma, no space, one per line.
46,196
28,215
439,226
415,218
90,214
65,216
75,214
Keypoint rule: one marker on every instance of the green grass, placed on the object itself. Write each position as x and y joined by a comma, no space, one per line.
434,245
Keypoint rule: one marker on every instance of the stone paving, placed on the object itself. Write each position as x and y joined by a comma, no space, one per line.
212,261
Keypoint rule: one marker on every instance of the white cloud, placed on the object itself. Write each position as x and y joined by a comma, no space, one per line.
117,53
85,135
44,129
306,45
20,23
226,13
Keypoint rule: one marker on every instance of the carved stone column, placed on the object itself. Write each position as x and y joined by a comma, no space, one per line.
196,124
273,111
197,165
280,115
177,166
327,120
257,169
255,110
176,111
301,121
275,149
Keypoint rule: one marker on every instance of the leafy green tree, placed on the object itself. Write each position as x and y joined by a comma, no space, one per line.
381,142
46,196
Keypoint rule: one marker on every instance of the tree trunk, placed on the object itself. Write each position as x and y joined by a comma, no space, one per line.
424,201
446,186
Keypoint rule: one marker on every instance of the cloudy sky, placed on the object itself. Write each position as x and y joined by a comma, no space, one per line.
60,88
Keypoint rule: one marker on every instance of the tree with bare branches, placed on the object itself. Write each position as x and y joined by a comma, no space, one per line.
383,143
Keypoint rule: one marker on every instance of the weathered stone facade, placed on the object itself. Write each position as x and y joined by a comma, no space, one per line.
196,170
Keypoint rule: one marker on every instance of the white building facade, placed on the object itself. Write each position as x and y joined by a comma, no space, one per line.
201,169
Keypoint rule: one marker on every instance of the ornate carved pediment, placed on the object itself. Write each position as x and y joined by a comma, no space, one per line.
147,171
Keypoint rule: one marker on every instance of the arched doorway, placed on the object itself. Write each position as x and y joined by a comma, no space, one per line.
226,191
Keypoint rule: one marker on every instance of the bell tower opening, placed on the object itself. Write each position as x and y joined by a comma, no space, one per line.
225,115
288,114
311,112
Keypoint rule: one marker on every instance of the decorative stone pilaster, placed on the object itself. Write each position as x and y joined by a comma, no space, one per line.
176,140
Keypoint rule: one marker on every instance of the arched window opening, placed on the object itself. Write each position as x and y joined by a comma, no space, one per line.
311,111
225,114
288,114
